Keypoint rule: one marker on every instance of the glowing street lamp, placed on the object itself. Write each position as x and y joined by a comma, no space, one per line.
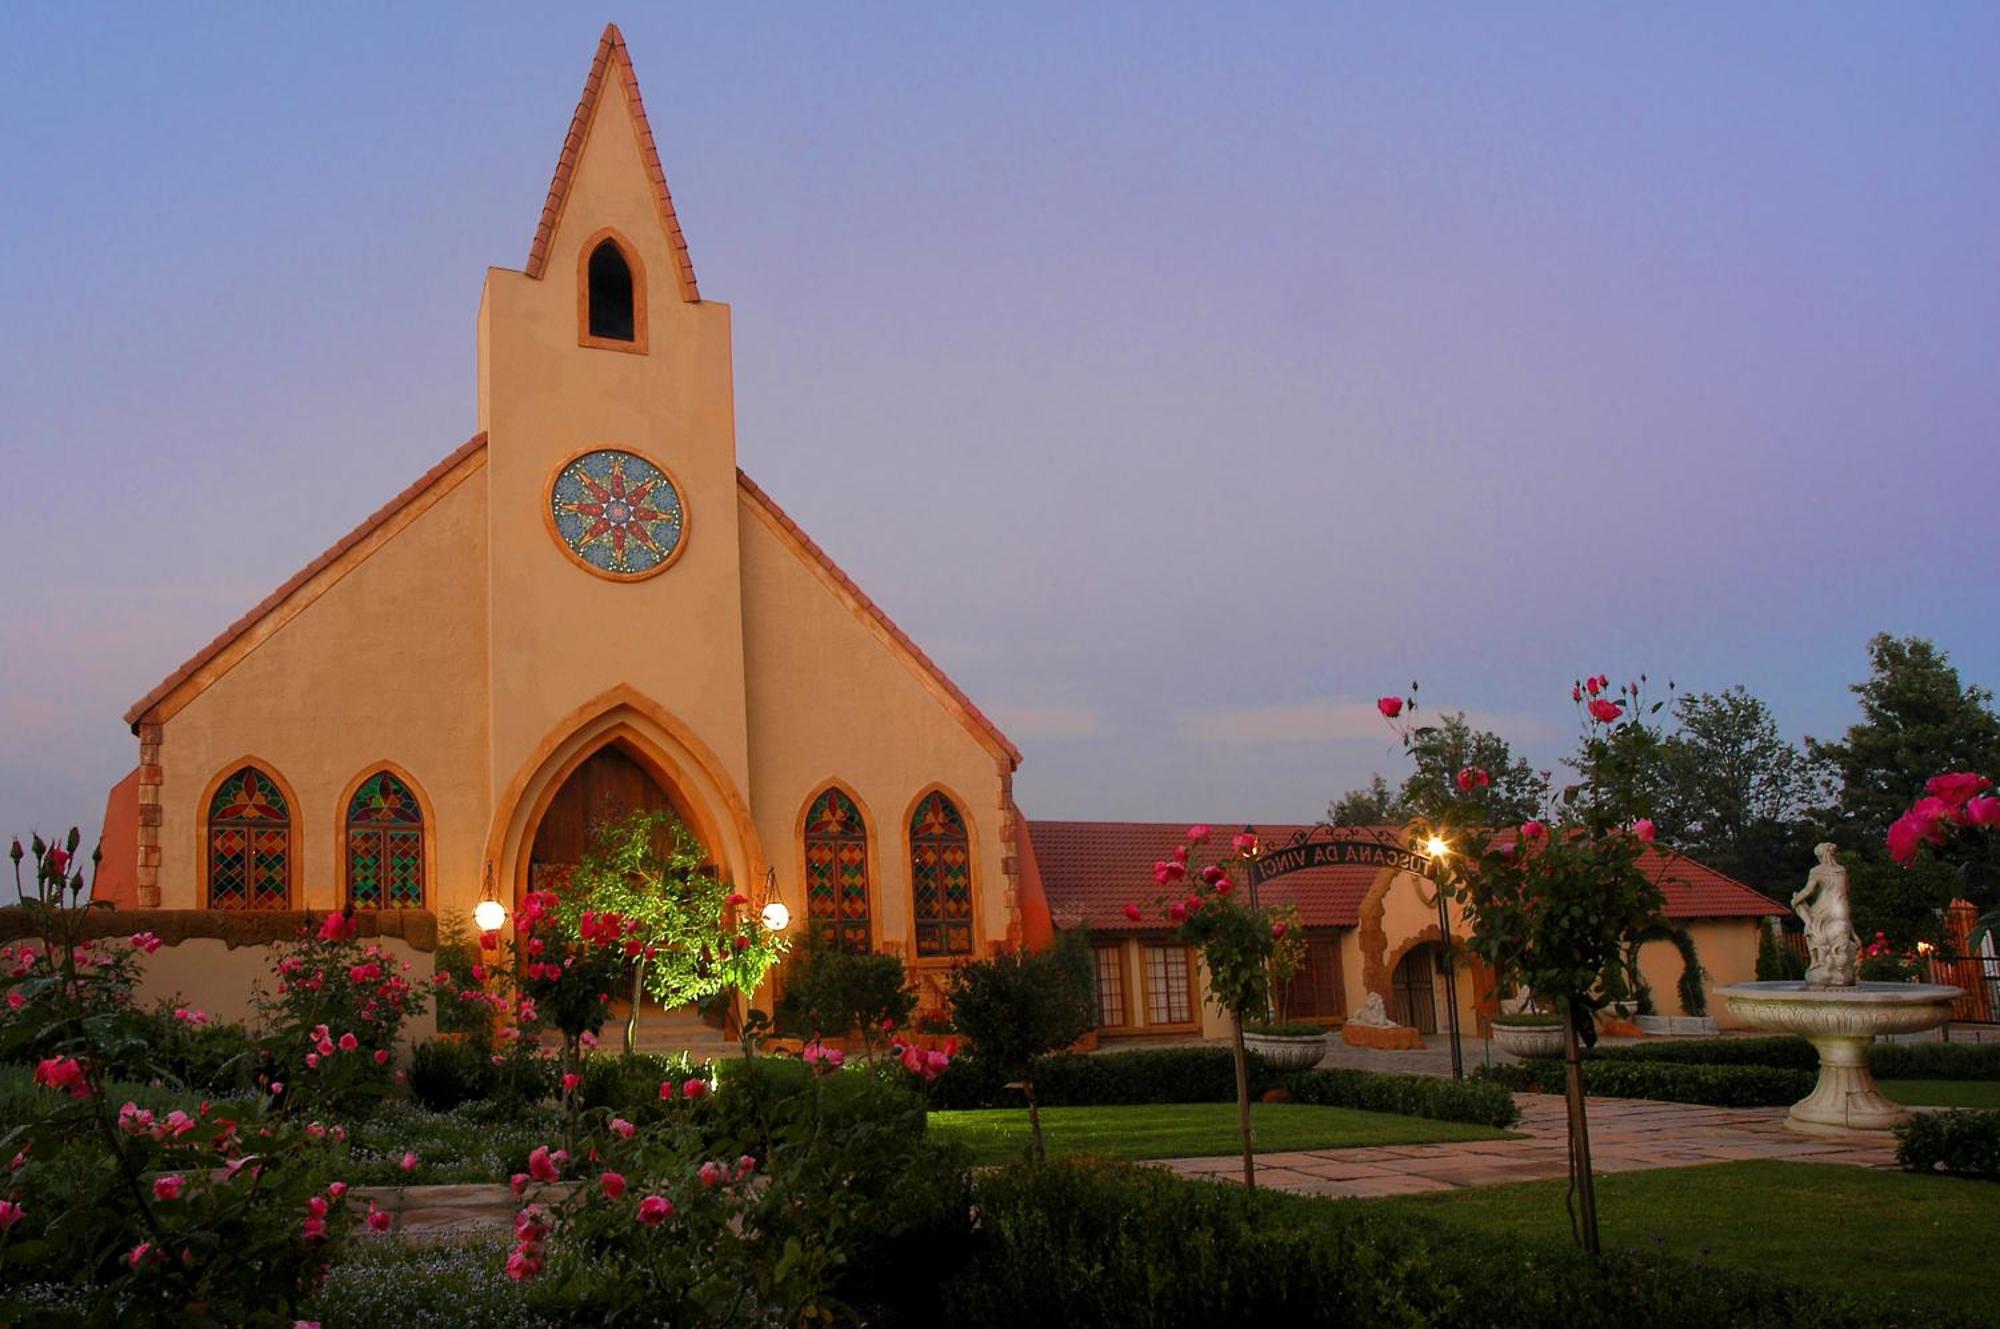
776,916
490,915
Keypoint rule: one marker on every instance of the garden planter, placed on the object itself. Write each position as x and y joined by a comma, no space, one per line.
1529,1040
1287,1052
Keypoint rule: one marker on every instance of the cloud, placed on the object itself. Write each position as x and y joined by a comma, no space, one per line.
1333,721
1047,722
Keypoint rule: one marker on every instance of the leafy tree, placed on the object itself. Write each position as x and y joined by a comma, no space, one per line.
1733,793
1024,1004
1440,753
831,991
1377,805
685,933
1918,719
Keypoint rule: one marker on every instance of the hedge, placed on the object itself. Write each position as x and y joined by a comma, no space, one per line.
1712,1086
1083,1243
1480,1102
1889,1061
1964,1144
1151,1075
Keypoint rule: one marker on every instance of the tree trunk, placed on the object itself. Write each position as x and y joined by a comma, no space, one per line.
632,1016
1243,1099
1584,1221
1035,1120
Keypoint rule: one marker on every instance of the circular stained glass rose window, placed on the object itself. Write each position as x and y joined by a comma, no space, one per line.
617,513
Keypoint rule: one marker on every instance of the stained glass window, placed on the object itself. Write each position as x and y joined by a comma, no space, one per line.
249,844
941,877
617,513
385,845
837,870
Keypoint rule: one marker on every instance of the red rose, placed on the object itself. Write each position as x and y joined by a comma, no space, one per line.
1603,711
1391,707
1132,912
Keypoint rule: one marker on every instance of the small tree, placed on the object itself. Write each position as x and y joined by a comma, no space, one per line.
685,933
831,991
1234,939
1558,903
1023,1004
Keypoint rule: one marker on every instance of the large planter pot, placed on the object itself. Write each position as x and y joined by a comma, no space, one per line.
1287,1052
1529,1040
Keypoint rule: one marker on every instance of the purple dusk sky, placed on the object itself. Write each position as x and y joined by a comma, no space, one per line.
1182,377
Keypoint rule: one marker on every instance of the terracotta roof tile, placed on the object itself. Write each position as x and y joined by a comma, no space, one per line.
300,578
867,606
612,58
1091,869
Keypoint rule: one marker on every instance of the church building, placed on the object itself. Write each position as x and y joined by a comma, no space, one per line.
583,608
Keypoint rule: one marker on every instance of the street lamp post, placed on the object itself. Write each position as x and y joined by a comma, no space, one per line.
1437,848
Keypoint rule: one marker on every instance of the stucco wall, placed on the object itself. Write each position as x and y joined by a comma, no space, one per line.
208,974
1727,949
387,665
829,700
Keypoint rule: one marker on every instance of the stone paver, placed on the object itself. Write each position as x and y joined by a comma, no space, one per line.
1626,1135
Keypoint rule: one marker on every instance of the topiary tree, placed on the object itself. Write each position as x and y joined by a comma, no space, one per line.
834,992
686,934
1024,1004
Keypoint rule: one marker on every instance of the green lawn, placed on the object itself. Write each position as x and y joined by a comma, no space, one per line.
1185,1130
1943,1093
1867,1231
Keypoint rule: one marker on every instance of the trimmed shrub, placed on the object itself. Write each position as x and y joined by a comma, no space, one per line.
1083,1243
1787,1052
1071,1079
1482,1103
630,1085
1935,1061
1711,1086
446,1072
748,1105
1965,1144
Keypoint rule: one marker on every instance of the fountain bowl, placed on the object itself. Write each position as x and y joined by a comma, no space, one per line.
1841,1023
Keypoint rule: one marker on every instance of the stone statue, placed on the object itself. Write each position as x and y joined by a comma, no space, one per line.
1373,1014
1822,905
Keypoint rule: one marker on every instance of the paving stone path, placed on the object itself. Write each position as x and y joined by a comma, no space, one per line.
1625,1135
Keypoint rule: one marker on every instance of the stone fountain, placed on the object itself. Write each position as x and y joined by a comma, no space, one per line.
1838,1015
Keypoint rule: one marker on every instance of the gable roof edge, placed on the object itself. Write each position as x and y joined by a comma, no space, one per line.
873,616
327,569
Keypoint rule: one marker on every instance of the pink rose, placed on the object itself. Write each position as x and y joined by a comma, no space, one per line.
666,1091
1132,912
315,1206
10,1214
1278,931
313,1229
1534,830
746,1164
1909,831
62,1073
1473,777
612,1184
336,1189
145,941
694,1087
711,1174
377,1220
337,927
654,1210
1594,684
1982,812
1198,834
1958,786
348,1042
623,1129
409,1160
523,1264
1244,844
138,1255
1644,829
570,1081
1391,707
381,1056
168,1188
1604,711
1177,912
518,1183
540,1167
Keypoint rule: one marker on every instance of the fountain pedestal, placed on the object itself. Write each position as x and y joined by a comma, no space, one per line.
1841,1022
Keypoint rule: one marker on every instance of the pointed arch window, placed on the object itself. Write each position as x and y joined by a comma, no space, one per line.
249,844
611,295
836,853
941,877
385,845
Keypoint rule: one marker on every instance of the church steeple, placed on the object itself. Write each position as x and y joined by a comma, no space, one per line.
611,69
